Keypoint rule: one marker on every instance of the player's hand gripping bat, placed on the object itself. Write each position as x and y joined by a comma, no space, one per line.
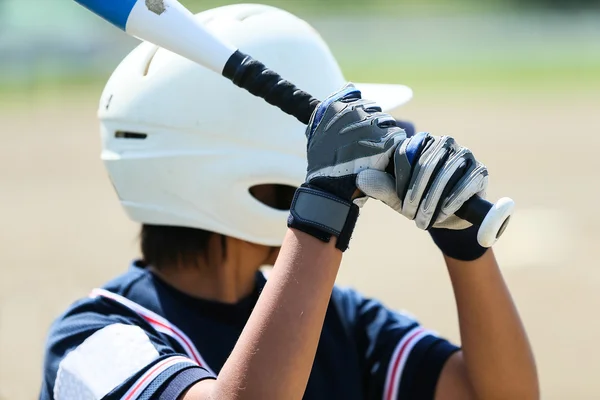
168,24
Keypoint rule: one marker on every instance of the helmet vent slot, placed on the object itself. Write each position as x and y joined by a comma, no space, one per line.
150,56
130,135
252,12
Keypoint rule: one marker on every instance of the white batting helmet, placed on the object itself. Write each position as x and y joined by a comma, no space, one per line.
183,145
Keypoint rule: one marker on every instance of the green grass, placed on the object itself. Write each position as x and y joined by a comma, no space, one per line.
425,62
522,77
532,78
425,56
352,7
50,89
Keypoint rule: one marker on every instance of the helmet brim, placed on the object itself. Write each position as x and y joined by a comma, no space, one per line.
388,96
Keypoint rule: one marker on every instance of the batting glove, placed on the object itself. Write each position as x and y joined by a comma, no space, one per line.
434,177
347,135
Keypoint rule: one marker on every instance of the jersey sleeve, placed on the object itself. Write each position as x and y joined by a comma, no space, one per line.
401,359
95,354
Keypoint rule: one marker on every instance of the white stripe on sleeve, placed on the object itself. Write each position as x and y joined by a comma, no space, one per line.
102,362
142,383
398,361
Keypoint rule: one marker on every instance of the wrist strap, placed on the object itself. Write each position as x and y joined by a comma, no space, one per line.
322,215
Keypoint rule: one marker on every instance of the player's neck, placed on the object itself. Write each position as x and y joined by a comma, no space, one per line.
226,284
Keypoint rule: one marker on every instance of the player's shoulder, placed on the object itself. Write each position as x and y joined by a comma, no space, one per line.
135,276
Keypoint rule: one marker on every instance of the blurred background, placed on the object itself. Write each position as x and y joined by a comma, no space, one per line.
517,81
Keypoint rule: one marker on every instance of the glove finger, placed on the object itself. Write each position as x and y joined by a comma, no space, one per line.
379,185
456,167
387,144
424,172
475,183
348,91
405,156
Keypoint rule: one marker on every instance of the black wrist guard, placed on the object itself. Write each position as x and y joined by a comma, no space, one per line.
323,215
459,244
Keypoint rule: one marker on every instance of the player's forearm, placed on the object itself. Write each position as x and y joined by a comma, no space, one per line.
275,353
497,355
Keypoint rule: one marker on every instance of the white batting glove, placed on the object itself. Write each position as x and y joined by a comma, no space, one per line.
434,177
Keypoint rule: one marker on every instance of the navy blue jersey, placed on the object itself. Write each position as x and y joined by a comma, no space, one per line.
139,338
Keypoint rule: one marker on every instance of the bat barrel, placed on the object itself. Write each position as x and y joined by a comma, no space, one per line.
114,11
168,24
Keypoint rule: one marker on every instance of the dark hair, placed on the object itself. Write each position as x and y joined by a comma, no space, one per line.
166,246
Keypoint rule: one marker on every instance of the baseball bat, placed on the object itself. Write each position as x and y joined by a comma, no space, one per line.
168,24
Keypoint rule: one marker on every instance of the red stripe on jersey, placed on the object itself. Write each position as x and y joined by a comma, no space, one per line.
401,353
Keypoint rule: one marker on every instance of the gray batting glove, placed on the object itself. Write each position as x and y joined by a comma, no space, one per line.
434,177
347,135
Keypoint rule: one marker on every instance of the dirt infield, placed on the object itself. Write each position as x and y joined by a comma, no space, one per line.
63,232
